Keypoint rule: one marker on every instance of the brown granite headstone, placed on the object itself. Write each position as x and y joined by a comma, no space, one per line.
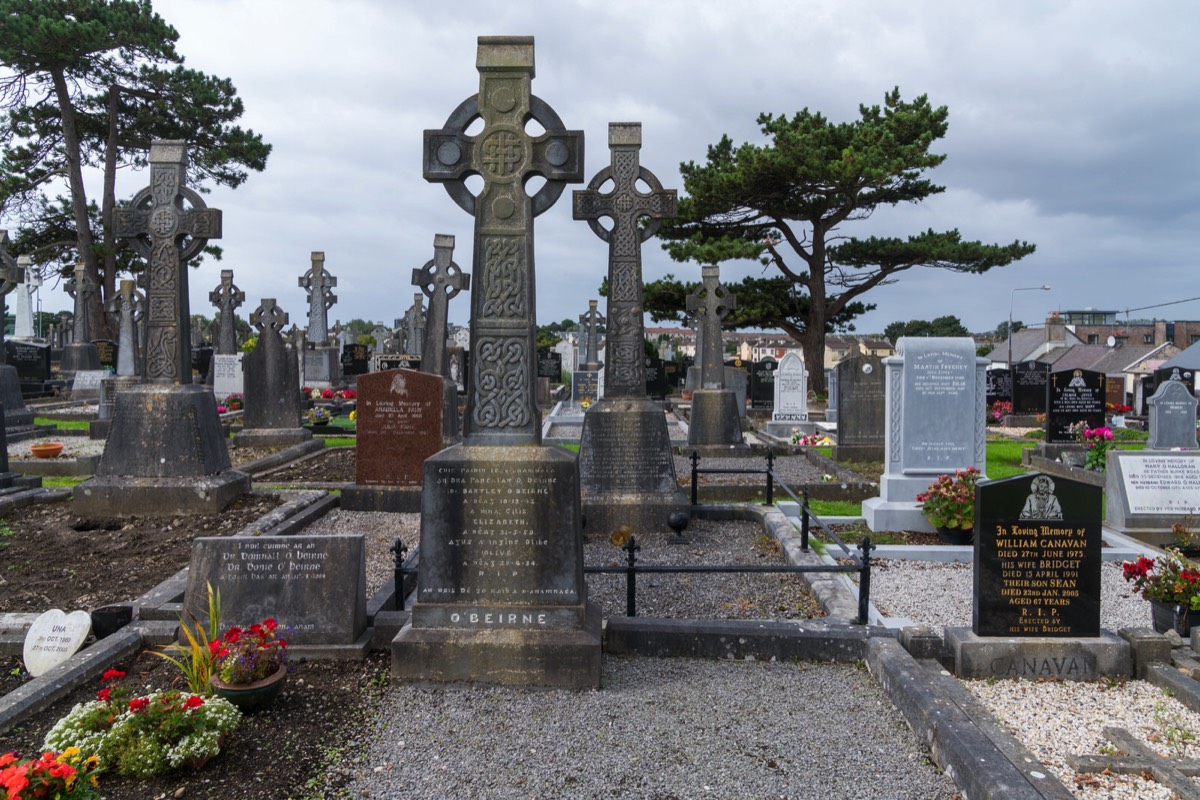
399,426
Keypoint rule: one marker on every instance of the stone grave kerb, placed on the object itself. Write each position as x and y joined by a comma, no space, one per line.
711,303
318,283
502,405
625,206
440,280
168,236
226,297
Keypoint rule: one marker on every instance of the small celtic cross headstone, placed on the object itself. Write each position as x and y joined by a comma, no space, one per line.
226,298
268,316
168,236
502,407
12,275
441,280
710,303
81,289
625,371
319,285
590,323
414,327
126,305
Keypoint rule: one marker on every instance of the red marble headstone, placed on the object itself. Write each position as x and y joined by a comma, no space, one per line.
399,426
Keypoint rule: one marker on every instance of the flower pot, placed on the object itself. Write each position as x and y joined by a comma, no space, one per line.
955,535
47,450
251,697
1166,617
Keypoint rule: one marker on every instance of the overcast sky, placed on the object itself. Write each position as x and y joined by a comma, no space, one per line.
1072,125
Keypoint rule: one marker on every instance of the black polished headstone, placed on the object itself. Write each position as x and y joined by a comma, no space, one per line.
31,360
550,365
107,349
1073,396
201,359
1181,374
656,378
1029,387
356,359
999,385
386,361
1037,557
585,386
762,384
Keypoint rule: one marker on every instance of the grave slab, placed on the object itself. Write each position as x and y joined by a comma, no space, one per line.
1146,492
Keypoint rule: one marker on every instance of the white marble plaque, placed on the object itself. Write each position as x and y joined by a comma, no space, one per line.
227,375
53,638
1161,484
791,390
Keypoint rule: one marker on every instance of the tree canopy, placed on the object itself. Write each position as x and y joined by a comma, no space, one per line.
89,84
942,326
783,203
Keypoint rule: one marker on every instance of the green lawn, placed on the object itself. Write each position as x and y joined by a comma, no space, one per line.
339,441
66,425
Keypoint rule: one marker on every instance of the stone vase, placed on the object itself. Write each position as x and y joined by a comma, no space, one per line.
1166,617
250,698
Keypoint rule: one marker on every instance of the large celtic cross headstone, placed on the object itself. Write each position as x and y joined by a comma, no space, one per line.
590,323
168,236
11,276
710,303
441,280
226,298
625,371
319,285
502,407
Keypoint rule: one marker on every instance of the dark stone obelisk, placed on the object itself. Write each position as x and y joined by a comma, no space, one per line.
166,452
16,415
713,425
502,597
441,280
626,468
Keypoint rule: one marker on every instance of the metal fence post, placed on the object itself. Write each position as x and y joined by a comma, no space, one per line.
770,477
398,575
864,581
695,475
631,547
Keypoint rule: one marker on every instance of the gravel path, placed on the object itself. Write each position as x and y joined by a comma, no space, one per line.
662,728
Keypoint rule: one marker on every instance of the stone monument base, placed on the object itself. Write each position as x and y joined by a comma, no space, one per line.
1065,658
395,499
554,659
714,422
165,455
271,437
626,468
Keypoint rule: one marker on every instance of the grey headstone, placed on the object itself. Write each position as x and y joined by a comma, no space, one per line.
1172,418
319,285
861,409
1146,492
791,389
272,401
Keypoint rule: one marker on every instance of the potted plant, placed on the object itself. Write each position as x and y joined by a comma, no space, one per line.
949,505
145,736
317,416
233,402
250,665
1172,585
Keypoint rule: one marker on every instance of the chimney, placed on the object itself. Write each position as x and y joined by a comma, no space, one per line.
1056,329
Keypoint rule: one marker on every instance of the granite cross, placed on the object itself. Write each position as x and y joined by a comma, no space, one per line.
590,323
502,406
168,236
81,288
12,275
710,303
441,280
124,305
625,371
226,297
23,327
319,285
268,316
414,327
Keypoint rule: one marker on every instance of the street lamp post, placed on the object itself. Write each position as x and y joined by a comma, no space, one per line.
1011,297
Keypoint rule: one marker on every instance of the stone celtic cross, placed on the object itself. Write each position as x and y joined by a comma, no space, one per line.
268,316
441,280
502,407
414,327
12,275
168,236
226,298
127,306
319,285
590,323
710,303
625,370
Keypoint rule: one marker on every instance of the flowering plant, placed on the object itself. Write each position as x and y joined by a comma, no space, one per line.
246,655
810,440
998,410
949,502
327,393
221,409
1170,579
1117,408
317,416
347,394
144,736
1097,441
315,394
354,415
194,656
233,401
68,775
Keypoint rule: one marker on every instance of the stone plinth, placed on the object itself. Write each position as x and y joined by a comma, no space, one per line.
322,367
502,598
626,469
271,437
713,423
165,455
1068,659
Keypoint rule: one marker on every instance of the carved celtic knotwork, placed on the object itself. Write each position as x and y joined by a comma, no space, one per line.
504,284
502,377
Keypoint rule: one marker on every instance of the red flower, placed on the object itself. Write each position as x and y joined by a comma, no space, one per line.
270,624
137,704
195,701
106,695
110,674
8,758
